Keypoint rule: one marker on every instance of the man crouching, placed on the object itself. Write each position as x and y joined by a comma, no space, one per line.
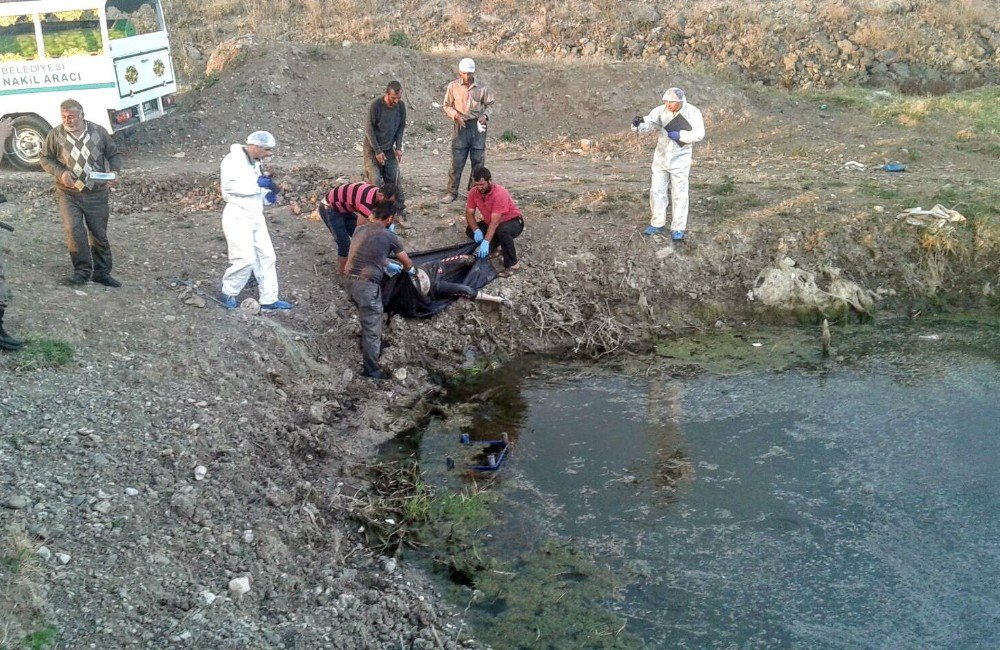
367,262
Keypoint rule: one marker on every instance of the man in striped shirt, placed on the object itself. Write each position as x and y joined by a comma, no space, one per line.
341,207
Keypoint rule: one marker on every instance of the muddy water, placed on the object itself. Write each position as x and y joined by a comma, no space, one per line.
850,503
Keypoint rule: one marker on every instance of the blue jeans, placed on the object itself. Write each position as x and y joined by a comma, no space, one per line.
342,225
466,142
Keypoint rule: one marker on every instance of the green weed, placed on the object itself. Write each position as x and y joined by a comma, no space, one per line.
44,353
508,136
726,187
400,39
41,639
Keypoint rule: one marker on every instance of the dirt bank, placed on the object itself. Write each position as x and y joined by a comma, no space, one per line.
99,455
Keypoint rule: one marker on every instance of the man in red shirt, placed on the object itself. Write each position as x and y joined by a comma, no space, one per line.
501,219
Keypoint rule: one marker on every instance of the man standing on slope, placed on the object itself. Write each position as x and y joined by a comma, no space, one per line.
246,189
469,105
383,148
679,125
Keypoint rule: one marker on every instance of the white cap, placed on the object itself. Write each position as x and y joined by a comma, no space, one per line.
262,139
466,65
673,95
423,282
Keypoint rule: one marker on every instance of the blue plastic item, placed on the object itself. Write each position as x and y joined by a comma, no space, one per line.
494,454
894,167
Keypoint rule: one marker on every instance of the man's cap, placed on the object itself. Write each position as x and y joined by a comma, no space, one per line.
673,95
466,65
262,139
423,282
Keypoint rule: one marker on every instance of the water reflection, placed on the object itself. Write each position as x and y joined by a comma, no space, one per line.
662,424
853,507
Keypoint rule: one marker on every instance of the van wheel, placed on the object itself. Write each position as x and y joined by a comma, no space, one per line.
27,139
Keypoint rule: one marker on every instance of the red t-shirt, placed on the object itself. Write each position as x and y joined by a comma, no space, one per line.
497,200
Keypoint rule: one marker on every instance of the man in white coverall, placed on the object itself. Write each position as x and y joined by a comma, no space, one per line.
246,189
680,125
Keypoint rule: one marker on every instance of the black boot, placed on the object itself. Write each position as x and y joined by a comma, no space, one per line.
6,342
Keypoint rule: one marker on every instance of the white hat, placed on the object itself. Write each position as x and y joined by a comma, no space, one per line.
673,95
262,139
466,65
423,282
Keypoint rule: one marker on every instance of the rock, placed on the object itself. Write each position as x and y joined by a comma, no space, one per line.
317,413
63,558
132,492
195,300
207,597
17,502
250,306
400,374
44,553
238,587
103,507
389,564
200,472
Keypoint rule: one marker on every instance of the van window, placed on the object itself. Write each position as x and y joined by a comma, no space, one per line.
69,33
132,18
17,38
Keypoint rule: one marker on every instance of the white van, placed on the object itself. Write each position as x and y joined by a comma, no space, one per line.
113,57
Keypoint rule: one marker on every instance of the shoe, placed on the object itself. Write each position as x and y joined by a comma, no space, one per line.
677,235
229,302
376,374
7,342
77,280
277,304
652,230
448,198
106,280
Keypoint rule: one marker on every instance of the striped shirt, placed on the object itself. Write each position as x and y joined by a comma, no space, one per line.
353,197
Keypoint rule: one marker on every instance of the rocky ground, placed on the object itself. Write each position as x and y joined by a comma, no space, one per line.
186,448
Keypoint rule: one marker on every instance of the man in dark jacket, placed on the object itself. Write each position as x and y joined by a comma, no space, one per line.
79,154
383,147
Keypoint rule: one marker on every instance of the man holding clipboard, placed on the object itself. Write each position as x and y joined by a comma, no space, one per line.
679,125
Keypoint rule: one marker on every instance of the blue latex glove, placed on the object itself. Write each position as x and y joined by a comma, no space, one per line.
412,270
392,268
636,121
484,249
477,235
675,136
266,182
392,228
270,198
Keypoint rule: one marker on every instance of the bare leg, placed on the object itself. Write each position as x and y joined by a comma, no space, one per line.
486,297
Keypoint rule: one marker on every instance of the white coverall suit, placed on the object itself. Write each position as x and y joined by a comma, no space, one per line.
671,161
250,248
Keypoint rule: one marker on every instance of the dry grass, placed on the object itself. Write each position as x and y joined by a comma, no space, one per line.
964,15
20,594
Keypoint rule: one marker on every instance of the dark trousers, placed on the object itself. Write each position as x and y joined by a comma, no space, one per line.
503,237
342,225
3,288
466,142
85,224
445,289
389,172
367,295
